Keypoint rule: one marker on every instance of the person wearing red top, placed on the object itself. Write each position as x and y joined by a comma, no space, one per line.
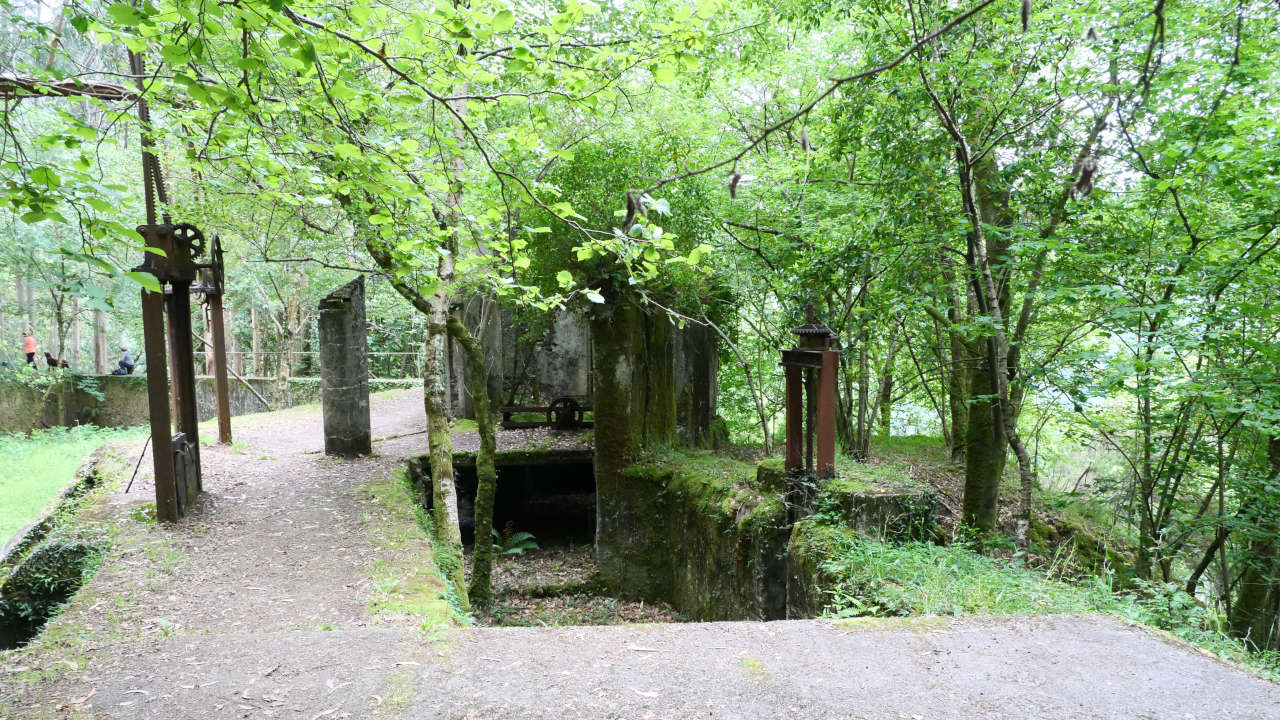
29,347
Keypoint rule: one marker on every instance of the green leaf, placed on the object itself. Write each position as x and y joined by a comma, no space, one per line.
664,73
565,278
125,14
145,279
360,13
503,21
175,54
346,151
45,176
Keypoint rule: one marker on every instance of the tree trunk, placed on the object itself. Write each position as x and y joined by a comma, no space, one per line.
884,389
207,345
440,444
886,404
985,450
233,348
1255,614
480,590
255,344
958,369
861,439
25,313
75,333
100,362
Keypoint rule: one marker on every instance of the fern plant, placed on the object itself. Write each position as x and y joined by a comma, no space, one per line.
513,543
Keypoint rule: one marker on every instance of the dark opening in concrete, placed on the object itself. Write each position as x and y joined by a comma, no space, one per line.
36,591
551,494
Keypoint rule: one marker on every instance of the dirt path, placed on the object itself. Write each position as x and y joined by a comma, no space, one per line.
264,604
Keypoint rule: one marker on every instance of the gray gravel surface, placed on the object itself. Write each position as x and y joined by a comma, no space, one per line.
1007,667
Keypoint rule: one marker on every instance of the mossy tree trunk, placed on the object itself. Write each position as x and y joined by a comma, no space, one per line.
444,494
443,488
1255,614
481,591
986,449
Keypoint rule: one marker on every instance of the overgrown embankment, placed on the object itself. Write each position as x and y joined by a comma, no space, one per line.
44,567
710,534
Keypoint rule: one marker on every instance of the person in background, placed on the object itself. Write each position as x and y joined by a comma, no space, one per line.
126,361
29,347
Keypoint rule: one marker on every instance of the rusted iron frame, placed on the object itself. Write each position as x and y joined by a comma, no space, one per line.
550,411
167,509
184,381
211,286
810,401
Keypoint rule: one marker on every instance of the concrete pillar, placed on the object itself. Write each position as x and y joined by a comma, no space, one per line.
697,365
344,372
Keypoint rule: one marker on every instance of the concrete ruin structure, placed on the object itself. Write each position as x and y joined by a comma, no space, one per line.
344,371
536,365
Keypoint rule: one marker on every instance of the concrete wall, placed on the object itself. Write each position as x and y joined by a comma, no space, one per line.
536,365
124,400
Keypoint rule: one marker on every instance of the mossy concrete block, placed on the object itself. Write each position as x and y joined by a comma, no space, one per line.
713,546
771,476
806,580
885,515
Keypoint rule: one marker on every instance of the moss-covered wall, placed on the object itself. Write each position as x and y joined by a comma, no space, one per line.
695,530
710,535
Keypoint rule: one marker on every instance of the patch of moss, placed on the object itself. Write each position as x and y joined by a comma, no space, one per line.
719,486
463,425
406,582
754,668
919,623
876,474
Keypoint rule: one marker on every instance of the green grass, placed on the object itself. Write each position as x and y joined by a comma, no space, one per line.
39,465
463,425
918,578
866,578
704,463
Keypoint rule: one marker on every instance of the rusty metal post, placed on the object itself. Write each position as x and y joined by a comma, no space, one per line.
220,368
826,460
795,413
810,415
184,380
811,370
158,405
175,397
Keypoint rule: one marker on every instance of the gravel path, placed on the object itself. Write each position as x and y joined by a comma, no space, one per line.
258,606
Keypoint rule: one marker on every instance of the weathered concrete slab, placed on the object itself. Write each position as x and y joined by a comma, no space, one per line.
344,371
930,668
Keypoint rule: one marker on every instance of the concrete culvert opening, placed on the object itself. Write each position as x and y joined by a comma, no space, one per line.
550,494
37,589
